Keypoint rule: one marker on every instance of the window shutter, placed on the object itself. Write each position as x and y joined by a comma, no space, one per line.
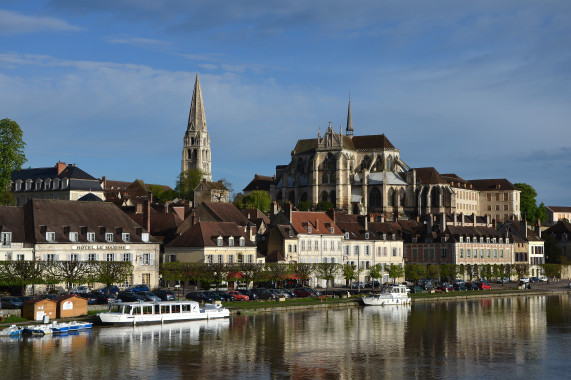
151,259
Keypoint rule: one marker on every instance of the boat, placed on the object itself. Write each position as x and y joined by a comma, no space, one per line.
37,330
59,328
389,295
78,326
12,331
133,313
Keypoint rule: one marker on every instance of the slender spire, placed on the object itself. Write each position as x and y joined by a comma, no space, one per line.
196,118
349,120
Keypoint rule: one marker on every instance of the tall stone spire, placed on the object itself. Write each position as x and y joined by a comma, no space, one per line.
196,143
196,117
349,120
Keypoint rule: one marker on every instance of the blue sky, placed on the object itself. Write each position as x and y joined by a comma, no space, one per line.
477,88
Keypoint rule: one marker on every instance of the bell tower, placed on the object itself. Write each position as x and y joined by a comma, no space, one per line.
196,143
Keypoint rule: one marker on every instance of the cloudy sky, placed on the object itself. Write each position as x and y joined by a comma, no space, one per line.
477,88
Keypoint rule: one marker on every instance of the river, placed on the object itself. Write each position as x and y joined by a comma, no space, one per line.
512,337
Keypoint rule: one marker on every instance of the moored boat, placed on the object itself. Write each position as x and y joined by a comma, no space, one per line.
59,328
37,330
390,295
133,313
12,331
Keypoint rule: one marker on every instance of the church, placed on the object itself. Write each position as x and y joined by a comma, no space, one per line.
366,175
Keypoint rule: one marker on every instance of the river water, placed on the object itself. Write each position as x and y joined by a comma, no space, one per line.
512,337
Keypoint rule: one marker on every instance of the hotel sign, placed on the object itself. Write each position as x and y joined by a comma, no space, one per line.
110,247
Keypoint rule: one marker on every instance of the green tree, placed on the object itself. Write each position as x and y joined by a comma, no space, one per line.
112,272
69,272
187,182
277,272
21,273
259,199
350,273
11,155
327,272
252,272
304,271
325,205
528,204
433,272
521,270
551,270
238,201
304,206
215,273
396,271
414,272
448,271
162,195
376,271
552,250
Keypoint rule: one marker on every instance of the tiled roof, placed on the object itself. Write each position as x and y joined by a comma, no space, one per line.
225,212
429,176
492,184
12,220
253,214
205,234
260,182
559,209
472,231
319,222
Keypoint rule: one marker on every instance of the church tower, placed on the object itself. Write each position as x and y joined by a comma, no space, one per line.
196,150
349,130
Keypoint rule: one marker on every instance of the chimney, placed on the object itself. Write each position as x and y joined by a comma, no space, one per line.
316,224
104,182
193,219
287,209
60,166
523,227
474,219
179,210
366,223
443,222
275,208
139,208
429,224
538,228
487,220
147,215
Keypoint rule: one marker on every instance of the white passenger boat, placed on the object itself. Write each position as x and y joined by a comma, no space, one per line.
390,295
134,313
37,330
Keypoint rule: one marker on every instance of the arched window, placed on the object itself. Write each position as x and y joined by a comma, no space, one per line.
402,196
303,197
379,164
366,163
324,196
375,199
329,162
192,141
435,197
389,163
391,198
300,166
292,196
325,179
332,197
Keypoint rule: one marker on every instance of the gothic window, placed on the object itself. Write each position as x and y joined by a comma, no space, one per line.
391,197
329,162
300,166
379,164
332,197
435,197
402,201
375,199
389,163
332,178
366,163
303,197
325,179
192,141
292,196
324,196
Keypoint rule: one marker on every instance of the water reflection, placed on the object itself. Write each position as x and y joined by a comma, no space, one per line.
494,337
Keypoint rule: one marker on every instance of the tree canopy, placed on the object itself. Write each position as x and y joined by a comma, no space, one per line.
187,182
257,199
11,154
528,205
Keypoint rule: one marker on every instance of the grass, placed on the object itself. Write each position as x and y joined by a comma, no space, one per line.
13,319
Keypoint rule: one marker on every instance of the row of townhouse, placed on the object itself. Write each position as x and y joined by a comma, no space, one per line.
48,230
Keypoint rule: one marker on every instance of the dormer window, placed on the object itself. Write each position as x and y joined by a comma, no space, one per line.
493,240
231,241
55,184
384,236
28,185
332,229
308,229
6,239
38,184
91,236
109,237
73,236
394,237
346,235
242,241
145,237
461,239
219,241
64,183
51,236
507,240
367,235
47,184
467,239
18,185
481,239
500,240
126,237
487,240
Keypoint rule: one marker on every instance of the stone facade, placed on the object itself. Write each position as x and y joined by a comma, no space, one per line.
196,143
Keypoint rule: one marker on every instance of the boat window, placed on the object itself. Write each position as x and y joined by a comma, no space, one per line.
176,308
186,308
165,309
147,309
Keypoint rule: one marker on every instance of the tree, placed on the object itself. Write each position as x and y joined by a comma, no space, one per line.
215,273
161,195
252,272
11,155
376,271
350,272
238,201
21,273
327,272
304,271
415,272
70,272
259,199
433,272
448,271
187,182
486,272
227,184
304,206
528,206
551,270
325,205
277,272
396,271
112,272
522,270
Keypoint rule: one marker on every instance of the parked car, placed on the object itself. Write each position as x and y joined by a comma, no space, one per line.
416,289
138,288
357,285
148,296
11,302
103,299
238,295
543,278
227,297
504,280
533,279
249,293
524,280
165,294
263,294
130,297
80,290
472,286
199,297
373,284
484,285
460,286
445,287
112,290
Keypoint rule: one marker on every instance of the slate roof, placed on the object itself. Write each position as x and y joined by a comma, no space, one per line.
253,214
55,216
12,220
70,171
492,184
429,176
371,142
90,197
559,209
260,182
205,234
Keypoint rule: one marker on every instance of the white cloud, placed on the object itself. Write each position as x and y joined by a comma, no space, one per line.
138,41
12,23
